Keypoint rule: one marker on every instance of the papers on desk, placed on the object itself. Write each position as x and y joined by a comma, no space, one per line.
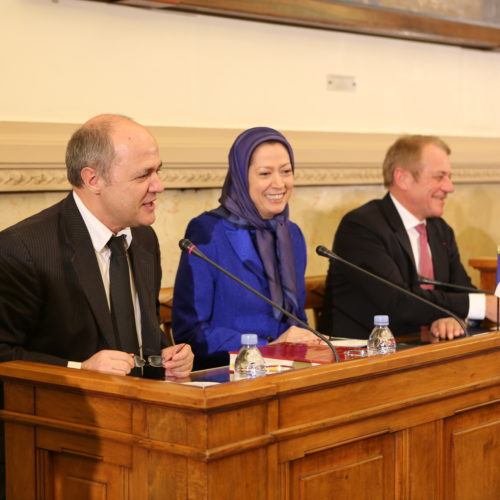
201,383
349,342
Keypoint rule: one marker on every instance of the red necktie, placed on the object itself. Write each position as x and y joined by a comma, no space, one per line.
426,268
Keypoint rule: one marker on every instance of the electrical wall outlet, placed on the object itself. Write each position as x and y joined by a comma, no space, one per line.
341,83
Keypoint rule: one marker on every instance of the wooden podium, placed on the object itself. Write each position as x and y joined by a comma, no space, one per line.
423,423
487,267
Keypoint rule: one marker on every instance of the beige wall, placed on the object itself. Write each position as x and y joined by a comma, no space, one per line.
471,210
67,60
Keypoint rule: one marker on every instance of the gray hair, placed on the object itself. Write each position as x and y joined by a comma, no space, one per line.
90,146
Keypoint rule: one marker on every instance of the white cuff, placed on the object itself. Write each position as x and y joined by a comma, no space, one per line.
477,306
74,364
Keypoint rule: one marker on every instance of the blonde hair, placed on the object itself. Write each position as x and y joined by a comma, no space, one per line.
405,153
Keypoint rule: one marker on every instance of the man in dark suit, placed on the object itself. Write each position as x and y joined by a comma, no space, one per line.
385,237
55,304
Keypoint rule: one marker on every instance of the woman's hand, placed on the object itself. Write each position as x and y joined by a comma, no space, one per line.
298,336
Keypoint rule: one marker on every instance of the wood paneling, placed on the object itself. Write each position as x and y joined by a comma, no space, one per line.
487,267
423,423
21,466
82,409
77,478
357,471
473,453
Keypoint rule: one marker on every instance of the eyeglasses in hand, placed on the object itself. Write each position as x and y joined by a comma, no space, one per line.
155,360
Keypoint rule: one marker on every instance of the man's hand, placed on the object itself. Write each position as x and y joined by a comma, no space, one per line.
177,360
446,328
298,336
111,362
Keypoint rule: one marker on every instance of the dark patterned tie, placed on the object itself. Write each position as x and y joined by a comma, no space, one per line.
122,309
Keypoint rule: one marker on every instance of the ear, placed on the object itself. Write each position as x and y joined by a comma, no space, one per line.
402,178
91,179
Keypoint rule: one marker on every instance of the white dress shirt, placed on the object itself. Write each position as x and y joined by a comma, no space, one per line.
100,235
477,301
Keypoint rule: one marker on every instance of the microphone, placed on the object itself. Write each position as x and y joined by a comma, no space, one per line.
192,249
324,252
428,281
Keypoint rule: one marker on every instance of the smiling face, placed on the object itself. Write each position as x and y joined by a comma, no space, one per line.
270,179
126,197
425,197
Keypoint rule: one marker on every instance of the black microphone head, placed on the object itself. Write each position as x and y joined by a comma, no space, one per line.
185,245
190,248
323,251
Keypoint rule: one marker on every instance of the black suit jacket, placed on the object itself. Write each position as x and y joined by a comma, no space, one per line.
373,236
53,305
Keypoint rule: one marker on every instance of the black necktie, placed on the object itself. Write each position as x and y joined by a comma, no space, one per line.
122,309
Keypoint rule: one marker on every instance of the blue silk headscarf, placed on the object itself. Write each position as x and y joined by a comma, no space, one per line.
274,243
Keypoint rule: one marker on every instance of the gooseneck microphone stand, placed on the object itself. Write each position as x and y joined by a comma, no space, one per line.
190,248
324,252
428,281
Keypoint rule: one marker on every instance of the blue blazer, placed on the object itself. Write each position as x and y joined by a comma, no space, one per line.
210,310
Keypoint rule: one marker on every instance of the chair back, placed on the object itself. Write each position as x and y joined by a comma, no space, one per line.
315,291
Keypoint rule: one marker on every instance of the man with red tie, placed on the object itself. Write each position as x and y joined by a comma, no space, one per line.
400,238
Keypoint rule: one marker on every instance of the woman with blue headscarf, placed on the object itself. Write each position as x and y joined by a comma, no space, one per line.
251,236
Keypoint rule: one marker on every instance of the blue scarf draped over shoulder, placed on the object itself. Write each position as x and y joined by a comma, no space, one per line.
272,236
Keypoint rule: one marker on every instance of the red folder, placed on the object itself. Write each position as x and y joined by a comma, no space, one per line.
298,355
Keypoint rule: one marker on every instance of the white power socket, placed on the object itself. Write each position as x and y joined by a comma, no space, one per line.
341,83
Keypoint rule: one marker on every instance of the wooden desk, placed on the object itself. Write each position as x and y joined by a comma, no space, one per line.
487,267
420,423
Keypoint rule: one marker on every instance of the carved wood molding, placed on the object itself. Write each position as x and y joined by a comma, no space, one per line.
21,177
32,157
53,178
341,16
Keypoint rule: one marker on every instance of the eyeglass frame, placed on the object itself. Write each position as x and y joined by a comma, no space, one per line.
154,360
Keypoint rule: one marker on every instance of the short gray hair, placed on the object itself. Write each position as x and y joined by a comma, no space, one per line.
90,146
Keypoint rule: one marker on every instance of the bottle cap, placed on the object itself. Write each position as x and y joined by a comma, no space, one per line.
381,320
249,339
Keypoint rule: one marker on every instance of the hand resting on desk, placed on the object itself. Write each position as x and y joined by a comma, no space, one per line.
298,336
177,361
110,362
446,328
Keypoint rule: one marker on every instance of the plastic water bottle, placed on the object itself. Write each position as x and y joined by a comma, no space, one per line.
249,362
381,339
